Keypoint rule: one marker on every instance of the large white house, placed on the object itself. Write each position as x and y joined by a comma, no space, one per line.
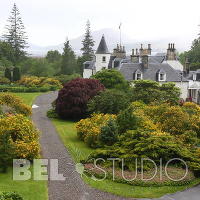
161,67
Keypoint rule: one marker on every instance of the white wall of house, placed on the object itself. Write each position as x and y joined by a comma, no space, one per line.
100,63
87,73
184,89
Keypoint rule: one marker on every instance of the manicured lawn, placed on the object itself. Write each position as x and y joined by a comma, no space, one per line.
79,151
28,98
30,189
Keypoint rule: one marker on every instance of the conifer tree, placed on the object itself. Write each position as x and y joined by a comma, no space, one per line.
15,34
16,74
88,43
68,64
8,74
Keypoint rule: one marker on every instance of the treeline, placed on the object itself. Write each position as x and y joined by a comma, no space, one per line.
15,61
193,55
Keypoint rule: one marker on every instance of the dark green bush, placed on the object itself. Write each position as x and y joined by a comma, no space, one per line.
52,113
10,196
6,154
127,120
109,102
109,133
16,74
112,79
8,74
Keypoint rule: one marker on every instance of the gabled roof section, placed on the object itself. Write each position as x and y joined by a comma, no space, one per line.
102,48
138,71
161,71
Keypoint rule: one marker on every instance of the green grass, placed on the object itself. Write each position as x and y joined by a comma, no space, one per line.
30,189
28,98
80,151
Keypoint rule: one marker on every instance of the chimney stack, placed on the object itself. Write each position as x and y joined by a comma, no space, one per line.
187,66
171,52
133,52
145,61
136,51
149,49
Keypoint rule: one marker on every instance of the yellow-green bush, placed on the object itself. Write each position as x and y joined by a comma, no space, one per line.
89,129
4,80
34,81
14,104
23,136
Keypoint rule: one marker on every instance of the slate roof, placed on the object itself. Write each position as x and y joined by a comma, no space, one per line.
102,48
150,73
89,65
111,61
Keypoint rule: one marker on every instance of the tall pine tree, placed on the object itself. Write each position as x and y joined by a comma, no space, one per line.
68,64
16,35
88,43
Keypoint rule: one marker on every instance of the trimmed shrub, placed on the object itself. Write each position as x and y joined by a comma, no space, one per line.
19,89
4,81
89,129
10,196
20,133
34,81
112,79
73,97
109,133
127,120
109,101
13,104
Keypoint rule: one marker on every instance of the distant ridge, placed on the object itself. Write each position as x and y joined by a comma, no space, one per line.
112,38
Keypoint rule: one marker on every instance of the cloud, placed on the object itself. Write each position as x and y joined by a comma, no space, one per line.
51,21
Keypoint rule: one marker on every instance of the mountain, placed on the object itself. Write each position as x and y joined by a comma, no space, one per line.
112,38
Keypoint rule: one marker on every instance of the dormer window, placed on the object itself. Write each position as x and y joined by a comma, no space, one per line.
138,75
194,77
104,59
161,75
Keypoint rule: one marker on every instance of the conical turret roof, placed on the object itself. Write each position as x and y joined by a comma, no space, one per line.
102,48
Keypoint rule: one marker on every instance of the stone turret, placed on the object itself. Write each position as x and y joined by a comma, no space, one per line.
102,55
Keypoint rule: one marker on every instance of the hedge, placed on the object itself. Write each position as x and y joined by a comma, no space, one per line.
9,88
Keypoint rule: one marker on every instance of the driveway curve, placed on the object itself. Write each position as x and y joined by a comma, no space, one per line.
73,188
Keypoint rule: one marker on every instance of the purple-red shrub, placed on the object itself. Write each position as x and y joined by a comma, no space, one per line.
73,97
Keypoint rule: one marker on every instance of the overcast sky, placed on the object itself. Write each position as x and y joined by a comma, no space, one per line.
49,22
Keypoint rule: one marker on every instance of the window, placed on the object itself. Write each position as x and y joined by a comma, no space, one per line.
194,94
162,77
104,59
138,76
194,77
